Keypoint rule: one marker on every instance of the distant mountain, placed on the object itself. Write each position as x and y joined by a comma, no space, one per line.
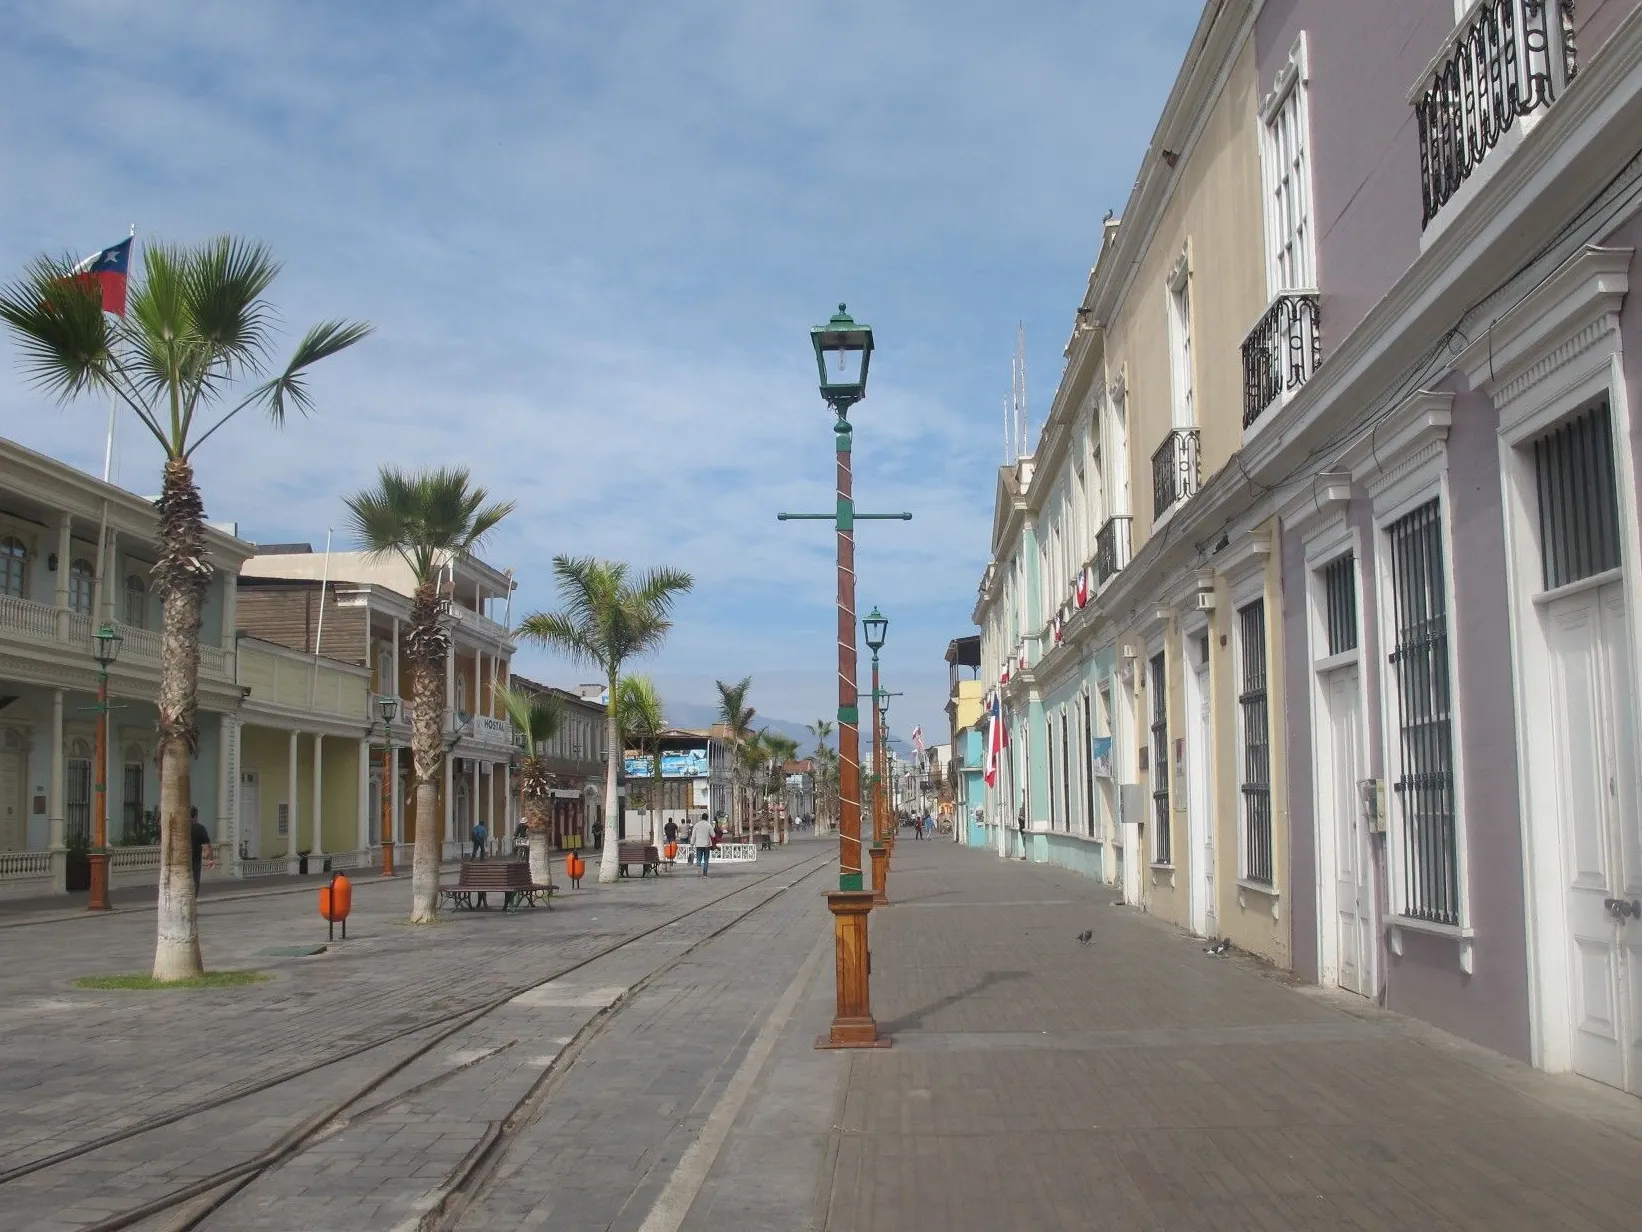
695,714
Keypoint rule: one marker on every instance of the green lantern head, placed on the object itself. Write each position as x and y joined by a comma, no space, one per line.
876,626
843,352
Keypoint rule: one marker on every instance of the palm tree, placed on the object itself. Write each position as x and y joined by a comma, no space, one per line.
428,519
639,713
822,730
606,620
782,749
755,762
737,718
189,354
538,718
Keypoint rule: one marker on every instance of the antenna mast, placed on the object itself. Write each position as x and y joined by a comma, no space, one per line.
1017,391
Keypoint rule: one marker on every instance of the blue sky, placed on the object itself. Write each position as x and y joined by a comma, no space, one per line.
592,239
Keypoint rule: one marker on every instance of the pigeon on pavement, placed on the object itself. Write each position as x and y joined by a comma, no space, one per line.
1085,935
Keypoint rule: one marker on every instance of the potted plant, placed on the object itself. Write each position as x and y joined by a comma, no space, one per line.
79,861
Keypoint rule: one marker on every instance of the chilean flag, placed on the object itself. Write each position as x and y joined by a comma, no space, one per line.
1082,594
997,740
107,271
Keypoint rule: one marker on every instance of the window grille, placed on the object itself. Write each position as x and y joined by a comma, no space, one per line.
134,612
1161,847
1256,716
1066,772
131,795
77,799
1089,771
1340,603
1578,499
1419,663
1049,749
282,820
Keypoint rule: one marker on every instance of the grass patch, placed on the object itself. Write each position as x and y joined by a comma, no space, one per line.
137,981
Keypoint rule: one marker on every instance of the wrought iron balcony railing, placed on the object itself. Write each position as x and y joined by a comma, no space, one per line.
1174,470
1111,547
1281,352
1509,60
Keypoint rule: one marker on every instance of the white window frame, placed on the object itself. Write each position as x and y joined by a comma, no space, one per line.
1290,99
1403,463
1156,766
1553,353
82,575
1182,366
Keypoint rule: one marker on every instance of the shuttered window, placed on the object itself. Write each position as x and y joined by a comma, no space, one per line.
1255,714
1578,498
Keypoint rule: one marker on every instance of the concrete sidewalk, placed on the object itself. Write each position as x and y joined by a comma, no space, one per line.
1136,1082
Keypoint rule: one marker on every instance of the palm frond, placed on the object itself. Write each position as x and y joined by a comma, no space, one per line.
555,631
426,517
58,320
538,716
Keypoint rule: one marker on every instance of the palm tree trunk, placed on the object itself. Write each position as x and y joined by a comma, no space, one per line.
427,752
609,866
182,575
541,863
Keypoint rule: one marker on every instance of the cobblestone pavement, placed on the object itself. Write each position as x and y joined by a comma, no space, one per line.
78,1065
1139,1083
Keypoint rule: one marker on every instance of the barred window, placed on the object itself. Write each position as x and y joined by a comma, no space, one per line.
1578,498
1424,788
1256,736
1066,772
1161,846
1340,603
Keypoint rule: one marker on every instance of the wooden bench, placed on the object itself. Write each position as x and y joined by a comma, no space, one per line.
645,855
509,878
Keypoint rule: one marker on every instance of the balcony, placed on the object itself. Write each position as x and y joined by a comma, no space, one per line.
1174,471
1281,352
1508,60
1112,547
42,625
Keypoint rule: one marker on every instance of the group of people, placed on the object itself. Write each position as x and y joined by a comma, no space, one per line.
704,837
921,824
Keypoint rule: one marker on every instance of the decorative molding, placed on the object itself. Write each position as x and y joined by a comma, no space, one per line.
1118,390
1296,72
1181,271
1568,314
1325,495
1403,440
1247,557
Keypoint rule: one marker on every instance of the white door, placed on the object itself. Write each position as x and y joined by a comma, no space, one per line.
1593,734
250,815
13,828
1198,805
1353,871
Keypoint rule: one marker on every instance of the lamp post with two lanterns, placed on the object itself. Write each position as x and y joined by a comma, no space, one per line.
850,345
875,628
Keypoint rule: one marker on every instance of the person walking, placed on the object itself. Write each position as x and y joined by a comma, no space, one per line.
200,850
479,837
671,831
701,841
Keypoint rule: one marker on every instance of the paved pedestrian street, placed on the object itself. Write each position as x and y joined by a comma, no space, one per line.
1034,1082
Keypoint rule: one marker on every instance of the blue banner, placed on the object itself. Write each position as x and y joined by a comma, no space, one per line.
681,764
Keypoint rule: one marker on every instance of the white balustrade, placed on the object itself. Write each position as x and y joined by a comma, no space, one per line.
133,859
30,619
24,865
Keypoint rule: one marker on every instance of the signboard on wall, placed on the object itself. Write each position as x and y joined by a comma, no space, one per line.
1100,755
678,764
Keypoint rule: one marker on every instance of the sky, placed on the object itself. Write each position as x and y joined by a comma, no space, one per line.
592,240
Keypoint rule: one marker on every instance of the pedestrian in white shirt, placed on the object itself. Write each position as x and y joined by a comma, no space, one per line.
701,839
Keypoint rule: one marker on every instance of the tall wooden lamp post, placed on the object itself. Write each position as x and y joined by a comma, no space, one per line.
848,346
106,649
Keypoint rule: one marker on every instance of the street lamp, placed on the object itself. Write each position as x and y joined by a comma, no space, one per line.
875,628
843,354
106,648
388,705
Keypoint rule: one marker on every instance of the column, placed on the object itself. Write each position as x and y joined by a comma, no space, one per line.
319,798
364,843
473,787
57,801
230,607
450,806
507,801
227,829
398,795
65,548
291,810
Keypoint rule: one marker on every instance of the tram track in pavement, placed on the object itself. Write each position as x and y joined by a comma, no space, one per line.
210,1193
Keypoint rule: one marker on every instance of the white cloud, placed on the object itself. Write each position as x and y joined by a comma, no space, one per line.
593,240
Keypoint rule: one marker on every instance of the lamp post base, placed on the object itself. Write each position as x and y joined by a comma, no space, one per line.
880,875
852,1023
99,882
387,859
